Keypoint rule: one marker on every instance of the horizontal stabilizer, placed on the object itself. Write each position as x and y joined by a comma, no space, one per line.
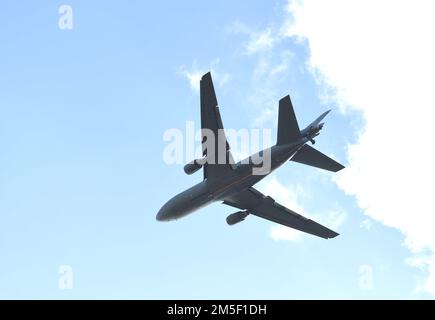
312,157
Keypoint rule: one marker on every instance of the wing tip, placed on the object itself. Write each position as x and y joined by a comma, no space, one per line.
287,97
332,235
206,76
339,167
335,235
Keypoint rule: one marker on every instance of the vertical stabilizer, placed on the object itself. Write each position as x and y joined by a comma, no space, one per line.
288,128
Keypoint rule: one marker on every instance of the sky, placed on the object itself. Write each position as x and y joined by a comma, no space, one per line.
88,90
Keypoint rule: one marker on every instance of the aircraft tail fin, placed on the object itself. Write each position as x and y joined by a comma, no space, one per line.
288,128
312,157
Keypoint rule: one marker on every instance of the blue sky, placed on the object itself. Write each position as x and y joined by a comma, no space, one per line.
82,116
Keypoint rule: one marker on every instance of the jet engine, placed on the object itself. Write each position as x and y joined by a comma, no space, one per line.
314,132
193,166
237,217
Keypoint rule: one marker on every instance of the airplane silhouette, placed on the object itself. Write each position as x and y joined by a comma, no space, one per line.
232,183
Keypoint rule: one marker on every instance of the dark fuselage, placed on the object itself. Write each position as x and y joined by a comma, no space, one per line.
234,182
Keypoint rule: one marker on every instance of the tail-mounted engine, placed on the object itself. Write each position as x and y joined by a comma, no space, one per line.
314,132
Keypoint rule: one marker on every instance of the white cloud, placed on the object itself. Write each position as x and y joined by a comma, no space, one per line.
289,196
265,115
270,70
366,224
260,41
266,68
238,27
334,219
267,77
379,56
193,77
419,261
194,74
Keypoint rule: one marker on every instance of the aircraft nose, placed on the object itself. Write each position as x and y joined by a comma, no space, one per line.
166,212
162,214
171,210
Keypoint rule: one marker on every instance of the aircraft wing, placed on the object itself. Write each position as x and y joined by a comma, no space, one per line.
265,207
211,123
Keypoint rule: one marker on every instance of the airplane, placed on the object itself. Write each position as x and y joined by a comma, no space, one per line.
232,183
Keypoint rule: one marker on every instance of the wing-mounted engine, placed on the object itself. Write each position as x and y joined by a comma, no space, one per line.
194,166
237,217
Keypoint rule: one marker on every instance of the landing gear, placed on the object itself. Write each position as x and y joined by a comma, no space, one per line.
312,141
